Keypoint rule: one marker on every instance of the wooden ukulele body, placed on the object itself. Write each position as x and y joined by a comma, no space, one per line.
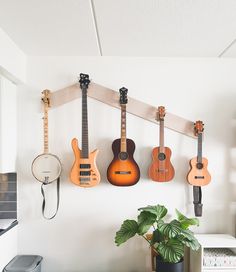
84,171
123,172
198,174
161,168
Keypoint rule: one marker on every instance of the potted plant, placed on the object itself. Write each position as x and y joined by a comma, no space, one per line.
167,240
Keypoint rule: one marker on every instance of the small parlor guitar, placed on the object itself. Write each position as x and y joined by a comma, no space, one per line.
123,170
198,175
161,168
84,171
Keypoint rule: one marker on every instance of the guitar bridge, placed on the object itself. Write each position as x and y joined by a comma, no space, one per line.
123,172
199,177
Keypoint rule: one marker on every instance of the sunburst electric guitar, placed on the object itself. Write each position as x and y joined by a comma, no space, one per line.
198,175
161,168
123,170
84,171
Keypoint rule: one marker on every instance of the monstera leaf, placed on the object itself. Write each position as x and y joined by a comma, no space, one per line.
145,221
159,210
171,229
185,221
171,251
128,229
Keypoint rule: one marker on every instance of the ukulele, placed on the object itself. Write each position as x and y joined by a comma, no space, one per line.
123,170
161,168
84,171
199,175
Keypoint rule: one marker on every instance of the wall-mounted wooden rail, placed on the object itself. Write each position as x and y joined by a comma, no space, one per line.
135,107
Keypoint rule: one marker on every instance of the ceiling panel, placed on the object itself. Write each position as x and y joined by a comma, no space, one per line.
166,28
50,27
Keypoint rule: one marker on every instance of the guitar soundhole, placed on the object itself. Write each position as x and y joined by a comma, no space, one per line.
199,165
161,156
123,156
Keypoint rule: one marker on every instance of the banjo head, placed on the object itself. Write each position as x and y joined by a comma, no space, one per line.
46,168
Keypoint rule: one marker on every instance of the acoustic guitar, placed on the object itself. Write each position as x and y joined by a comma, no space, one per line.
161,169
123,170
84,172
198,174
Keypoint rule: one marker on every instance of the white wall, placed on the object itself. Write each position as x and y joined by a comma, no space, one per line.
12,59
81,237
8,125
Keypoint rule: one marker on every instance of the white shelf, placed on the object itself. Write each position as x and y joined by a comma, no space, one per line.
211,241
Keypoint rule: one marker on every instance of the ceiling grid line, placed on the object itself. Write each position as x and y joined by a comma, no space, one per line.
227,48
96,27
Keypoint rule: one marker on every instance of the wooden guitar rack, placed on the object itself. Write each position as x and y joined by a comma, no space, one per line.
135,107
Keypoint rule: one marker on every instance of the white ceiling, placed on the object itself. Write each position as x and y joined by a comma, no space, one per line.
165,28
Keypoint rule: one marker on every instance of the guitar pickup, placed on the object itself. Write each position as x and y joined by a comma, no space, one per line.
85,173
123,172
199,177
84,165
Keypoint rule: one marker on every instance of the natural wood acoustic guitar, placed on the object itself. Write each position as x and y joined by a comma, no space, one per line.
198,174
161,169
84,171
123,170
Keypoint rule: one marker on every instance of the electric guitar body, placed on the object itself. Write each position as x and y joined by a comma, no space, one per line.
123,170
84,171
161,169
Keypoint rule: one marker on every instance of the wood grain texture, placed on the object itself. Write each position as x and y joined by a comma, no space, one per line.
195,173
128,166
75,175
135,107
161,171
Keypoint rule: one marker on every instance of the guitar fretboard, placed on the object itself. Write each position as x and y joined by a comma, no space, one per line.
123,147
85,149
199,148
161,135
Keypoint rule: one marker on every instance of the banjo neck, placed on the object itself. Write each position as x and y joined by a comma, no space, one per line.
46,101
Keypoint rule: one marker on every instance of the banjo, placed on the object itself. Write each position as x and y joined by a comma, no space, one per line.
46,167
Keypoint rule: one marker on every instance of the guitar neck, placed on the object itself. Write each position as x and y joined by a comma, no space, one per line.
123,147
85,150
45,128
199,148
161,135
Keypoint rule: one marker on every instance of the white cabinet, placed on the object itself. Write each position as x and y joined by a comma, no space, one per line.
8,125
8,246
211,241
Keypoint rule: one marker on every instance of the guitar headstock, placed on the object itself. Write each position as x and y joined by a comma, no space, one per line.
198,127
46,97
123,96
161,112
84,81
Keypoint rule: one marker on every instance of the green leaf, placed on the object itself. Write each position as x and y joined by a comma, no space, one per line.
171,229
185,221
156,237
171,251
128,229
159,210
193,244
145,221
